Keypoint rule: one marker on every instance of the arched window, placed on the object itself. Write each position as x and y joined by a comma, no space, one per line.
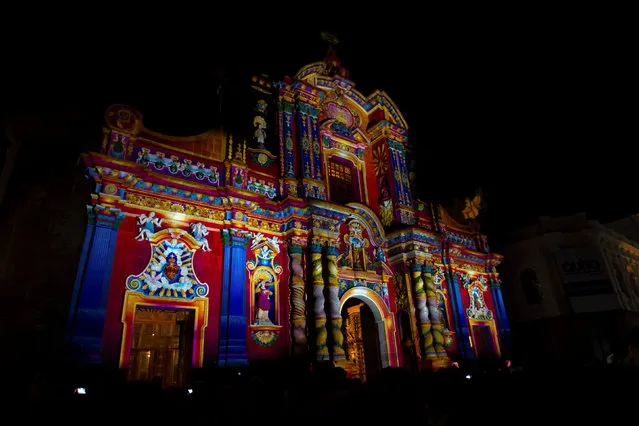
341,181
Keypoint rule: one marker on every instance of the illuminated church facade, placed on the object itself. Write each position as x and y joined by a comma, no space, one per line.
303,240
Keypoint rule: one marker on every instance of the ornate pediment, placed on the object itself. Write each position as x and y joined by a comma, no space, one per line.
477,308
169,273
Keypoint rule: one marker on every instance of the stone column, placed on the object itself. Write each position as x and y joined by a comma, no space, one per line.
232,351
459,315
321,350
437,325
298,296
503,326
333,302
89,300
423,320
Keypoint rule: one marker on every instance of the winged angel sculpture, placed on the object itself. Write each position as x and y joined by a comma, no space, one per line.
471,210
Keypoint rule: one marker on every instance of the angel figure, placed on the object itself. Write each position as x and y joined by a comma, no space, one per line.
257,239
274,241
147,226
200,232
471,210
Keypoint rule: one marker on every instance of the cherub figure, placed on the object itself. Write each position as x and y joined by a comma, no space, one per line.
147,226
200,232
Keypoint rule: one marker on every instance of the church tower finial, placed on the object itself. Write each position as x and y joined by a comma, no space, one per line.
332,63
330,38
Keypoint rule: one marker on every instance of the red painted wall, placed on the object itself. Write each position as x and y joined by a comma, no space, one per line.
208,269
489,304
131,257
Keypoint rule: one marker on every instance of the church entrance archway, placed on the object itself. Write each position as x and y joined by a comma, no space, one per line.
366,335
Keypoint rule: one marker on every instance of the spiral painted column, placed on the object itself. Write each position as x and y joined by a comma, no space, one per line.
437,325
423,320
333,302
321,350
298,298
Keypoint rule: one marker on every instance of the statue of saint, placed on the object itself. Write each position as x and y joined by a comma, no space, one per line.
260,131
263,303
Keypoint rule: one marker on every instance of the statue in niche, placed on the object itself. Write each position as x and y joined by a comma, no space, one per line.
263,306
117,148
356,247
264,281
147,226
200,232
385,203
384,193
260,131
477,302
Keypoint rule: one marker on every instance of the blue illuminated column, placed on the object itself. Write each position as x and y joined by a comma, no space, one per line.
287,146
232,352
87,312
404,212
305,141
461,323
503,326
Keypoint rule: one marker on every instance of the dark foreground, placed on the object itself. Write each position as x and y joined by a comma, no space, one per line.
605,395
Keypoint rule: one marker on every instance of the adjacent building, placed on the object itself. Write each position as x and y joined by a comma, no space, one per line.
572,288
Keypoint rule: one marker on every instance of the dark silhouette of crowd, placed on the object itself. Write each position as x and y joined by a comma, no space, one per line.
295,392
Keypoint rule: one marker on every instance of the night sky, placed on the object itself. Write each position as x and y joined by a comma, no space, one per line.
538,114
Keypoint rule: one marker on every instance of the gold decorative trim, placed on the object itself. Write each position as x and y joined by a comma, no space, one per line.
170,206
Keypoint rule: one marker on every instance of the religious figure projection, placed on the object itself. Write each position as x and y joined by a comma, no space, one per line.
264,278
170,270
355,254
477,308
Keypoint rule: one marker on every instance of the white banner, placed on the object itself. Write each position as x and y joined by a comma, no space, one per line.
581,264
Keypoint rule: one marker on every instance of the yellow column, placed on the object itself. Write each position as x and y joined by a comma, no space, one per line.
333,303
321,350
437,325
298,296
423,320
